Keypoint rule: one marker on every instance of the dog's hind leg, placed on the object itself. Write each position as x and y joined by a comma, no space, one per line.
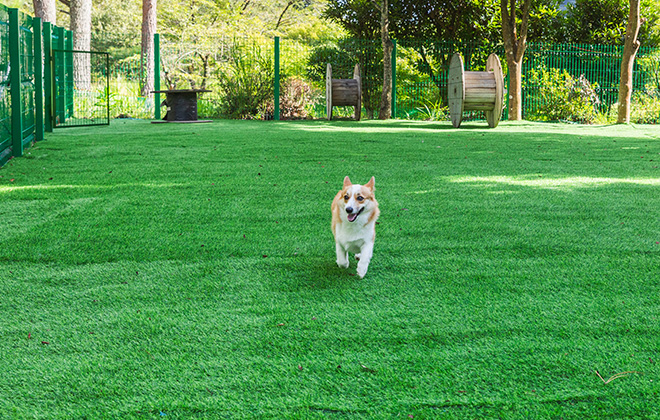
342,256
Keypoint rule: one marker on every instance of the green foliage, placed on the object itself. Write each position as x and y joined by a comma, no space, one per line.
116,26
431,111
645,108
246,84
556,95
604,22
650,66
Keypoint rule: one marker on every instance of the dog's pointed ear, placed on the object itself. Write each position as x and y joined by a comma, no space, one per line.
371,183
347,182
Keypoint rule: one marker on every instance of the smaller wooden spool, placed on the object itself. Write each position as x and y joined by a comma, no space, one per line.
343,92
476,90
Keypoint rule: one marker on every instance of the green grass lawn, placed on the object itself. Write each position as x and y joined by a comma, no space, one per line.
178,271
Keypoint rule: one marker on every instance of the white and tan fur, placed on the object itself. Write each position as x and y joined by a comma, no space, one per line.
356,236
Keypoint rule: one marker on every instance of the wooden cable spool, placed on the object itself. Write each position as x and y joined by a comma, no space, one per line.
476,90
343,92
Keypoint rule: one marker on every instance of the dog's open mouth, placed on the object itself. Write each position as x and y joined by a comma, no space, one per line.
353,216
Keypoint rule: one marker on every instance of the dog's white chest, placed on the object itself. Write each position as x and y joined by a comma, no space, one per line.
353,237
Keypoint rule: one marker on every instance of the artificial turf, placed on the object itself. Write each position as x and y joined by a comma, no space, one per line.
181,271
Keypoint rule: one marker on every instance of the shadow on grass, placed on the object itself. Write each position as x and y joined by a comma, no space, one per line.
316,274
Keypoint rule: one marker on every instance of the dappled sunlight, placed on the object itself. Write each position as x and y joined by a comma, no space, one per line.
12,188
562,131
371,126
539,181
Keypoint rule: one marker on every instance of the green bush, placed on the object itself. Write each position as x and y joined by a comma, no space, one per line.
645,107
246,85
556,95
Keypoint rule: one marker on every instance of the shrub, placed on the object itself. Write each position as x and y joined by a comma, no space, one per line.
246,85
295,96
431,111
556,95
645,107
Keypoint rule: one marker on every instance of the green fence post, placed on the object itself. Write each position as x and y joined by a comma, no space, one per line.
38,80
276,111
15,84
393,79
60,71
48,76
69,87
157,76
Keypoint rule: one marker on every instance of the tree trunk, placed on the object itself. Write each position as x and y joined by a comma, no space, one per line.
45,9
147,54
515,88
81,26
514,46
630,48
385,108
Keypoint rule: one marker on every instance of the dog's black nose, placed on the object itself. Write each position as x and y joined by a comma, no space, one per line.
349,210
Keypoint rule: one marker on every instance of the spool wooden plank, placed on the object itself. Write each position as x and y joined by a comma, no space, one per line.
481,95
343,92
479,79
456,92
493,65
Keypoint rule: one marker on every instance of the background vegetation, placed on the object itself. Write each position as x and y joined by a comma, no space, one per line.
216,44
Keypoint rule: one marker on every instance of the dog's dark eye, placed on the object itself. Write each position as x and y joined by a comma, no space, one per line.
360,198
346,197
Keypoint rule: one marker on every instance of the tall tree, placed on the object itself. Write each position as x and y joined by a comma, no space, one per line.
147,54
515,43
45,9
385,108
81,27
630,48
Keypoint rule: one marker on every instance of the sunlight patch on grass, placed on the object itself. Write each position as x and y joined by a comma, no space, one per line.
373,127
554,183
11,188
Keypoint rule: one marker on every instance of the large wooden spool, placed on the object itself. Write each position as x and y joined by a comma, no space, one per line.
343,92
476,90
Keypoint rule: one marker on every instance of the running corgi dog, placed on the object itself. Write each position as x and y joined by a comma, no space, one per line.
354,215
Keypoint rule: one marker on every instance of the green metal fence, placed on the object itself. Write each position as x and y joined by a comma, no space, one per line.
44,83
5,97
598,66
297,71
18,103
81,88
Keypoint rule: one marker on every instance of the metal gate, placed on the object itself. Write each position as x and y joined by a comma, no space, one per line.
81,91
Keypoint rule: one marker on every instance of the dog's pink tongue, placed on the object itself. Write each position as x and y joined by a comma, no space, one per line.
352,217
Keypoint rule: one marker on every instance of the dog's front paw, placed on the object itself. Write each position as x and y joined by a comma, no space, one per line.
343,264
361,271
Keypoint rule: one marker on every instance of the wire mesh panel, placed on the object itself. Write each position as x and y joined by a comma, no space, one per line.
82,95
5,105
593,71
27,76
